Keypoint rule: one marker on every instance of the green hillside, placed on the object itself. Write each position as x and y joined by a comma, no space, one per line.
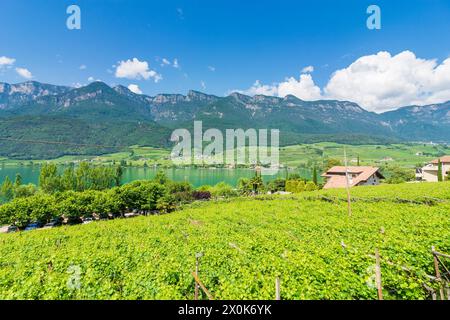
308,241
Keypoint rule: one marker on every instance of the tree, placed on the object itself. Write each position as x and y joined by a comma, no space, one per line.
18,181
330,163
16,213
440,173
7,190
244,186
42,208
398,174
358,162
21,211
118,175
49,180
314,177
294,176
82,175
257,184
25,191
161,177
68,181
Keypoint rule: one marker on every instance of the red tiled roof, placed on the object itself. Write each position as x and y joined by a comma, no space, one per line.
336,176
445,159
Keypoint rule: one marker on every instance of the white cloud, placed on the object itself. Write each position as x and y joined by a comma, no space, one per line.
134,88
165,62
203,85
83,67
24,73
5,61
383,82
135,69
211,68
378,83
308,69
91,79
303,88
260,89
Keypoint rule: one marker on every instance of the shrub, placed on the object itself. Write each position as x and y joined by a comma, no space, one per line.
175,187
276,185
201,195
295,186
310,186
183,197
165,204
223,190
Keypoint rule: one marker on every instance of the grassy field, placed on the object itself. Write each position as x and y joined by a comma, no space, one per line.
308,241
404,155
136,156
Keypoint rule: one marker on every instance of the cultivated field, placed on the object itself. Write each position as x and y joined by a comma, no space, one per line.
308,241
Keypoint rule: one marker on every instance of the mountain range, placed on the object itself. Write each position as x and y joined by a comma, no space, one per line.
39,121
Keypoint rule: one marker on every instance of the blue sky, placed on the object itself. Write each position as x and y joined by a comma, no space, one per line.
219,45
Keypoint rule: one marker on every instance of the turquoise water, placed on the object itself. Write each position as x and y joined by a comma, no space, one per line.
196,176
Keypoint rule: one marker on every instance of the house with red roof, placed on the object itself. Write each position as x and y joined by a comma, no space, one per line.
336,177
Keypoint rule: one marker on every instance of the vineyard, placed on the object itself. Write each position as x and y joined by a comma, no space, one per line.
308,241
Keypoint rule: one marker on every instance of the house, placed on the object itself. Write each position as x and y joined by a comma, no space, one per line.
357,176
430,171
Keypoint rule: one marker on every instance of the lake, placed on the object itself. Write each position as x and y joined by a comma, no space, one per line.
196,176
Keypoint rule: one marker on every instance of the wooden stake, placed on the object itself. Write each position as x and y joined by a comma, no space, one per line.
197,263
347,182
447,287
378,275
438,273
196,285
197,280
277,289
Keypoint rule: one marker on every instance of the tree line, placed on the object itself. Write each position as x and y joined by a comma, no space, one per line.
88,191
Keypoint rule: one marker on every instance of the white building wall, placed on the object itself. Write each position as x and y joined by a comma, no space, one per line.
429,176
430,172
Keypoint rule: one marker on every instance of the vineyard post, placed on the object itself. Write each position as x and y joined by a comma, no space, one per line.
277,289
378,275
448,290
202,286
197,263
438,273
349,205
